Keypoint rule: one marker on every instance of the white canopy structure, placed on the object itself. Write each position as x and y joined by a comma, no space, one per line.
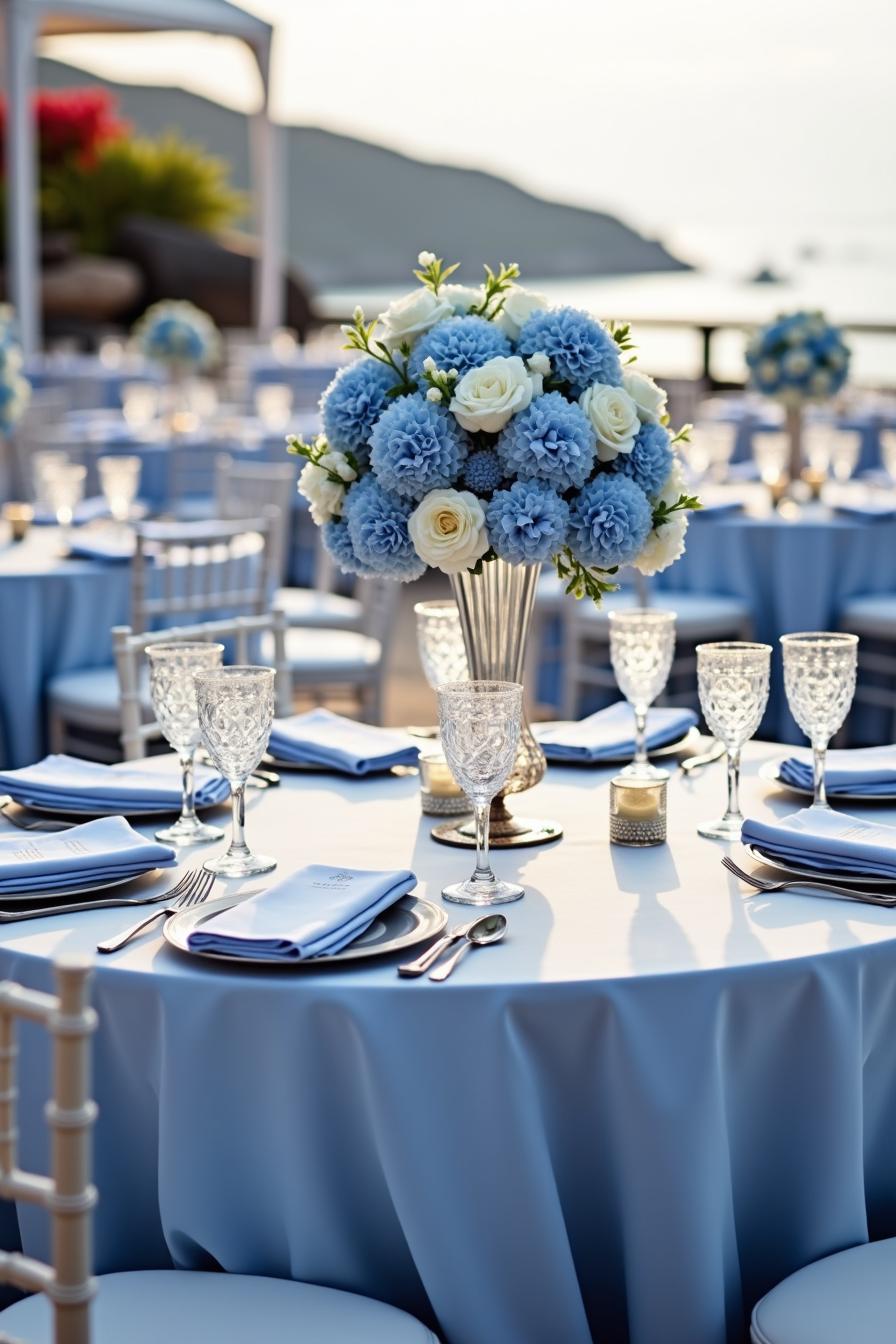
24,21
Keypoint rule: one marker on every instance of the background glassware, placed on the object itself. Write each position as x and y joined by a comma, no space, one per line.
771,453
712,447
119,482
236,710
65,489
845,449
820,681
642,642
139,404
733,681
818,444
172,684
888,451
43,465
273,405
479,723
440,642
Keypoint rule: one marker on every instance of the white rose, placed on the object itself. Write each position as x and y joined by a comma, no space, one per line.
614,416
448,530
333,460
462,297
649,398
324,496
663,546
486,398
768,371
519,305
797,362
539,363
406,318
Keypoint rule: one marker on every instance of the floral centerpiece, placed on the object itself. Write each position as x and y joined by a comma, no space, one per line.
15,390
798,358
486,433
179,336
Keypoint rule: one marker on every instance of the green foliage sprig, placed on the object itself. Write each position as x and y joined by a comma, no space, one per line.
582,580
495,290
361,335
433,272
662,511
313,452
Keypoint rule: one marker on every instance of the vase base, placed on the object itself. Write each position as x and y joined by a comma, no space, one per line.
524,832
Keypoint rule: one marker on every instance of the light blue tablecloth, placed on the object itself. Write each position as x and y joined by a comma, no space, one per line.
624,1124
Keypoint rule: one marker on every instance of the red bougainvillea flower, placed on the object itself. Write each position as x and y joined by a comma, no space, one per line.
73,124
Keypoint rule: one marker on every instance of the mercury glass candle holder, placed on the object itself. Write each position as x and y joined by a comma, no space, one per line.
440,793
19,517
638,810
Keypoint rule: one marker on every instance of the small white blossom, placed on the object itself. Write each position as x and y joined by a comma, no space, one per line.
453,373
324,496
338,463
433,394
429,365
539,363
426,258
358,314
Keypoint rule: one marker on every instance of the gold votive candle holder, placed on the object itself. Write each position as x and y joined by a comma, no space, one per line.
19,517
440,793
638,810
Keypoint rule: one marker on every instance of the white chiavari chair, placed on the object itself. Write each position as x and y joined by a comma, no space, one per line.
245,489
849,1296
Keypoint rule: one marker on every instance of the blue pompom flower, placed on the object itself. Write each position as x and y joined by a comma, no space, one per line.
527,523
338,544
483,471
609,521
551,440
417,446
461,343
353,403
581,351
378,529
650,461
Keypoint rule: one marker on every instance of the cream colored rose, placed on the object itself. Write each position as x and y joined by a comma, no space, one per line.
664,545
519,305
614,417
323,495
486,398
649,398
408,317
448,530
462,297
337,462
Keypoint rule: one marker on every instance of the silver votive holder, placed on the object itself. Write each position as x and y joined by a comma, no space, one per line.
440,794
638,810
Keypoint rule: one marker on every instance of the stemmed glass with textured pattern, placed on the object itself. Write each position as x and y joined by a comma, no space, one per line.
440,642
733,681
236,710
172,669
479,723
642,642
820,681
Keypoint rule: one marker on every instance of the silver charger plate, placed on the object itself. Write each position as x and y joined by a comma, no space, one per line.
687,742
93,814
819,874
14,897
309,768
769,771
408,922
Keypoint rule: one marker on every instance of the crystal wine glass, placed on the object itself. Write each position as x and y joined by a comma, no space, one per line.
846,445
236,710
642,642
273,405
119,482
820,681
172,669
480,728
771,451
733,681
440,643
65,489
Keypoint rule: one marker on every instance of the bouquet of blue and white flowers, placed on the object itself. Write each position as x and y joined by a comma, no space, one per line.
15,390
481,423
178,335
797,358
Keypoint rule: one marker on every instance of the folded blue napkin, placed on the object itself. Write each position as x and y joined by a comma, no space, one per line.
115,546
871,512
609,735
329,740
827,841
95,852
314,911
863,770
66,783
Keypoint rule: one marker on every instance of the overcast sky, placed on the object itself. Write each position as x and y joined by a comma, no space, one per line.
701,121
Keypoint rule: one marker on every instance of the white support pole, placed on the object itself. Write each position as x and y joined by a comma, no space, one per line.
266,147
21,173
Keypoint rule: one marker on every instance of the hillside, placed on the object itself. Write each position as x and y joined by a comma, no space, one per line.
359,213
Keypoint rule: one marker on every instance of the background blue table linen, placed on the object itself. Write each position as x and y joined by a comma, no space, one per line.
610,734
323,738
67,782
96,851
314,911
827,840
865,770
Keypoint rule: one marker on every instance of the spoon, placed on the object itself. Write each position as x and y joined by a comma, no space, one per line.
715,753
488,929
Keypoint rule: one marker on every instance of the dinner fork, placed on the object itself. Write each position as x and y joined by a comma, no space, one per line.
193,888
828,888
47,824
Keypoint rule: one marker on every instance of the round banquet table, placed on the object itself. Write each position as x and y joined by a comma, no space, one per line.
622,1125
795,573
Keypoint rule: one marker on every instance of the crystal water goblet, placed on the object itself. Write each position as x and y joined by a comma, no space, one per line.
273,405
888,452
65,488
236,710
440,642
139,404
119,482
642,642
172,669
820,681
479,723
771,452
733,682
43,464
846,446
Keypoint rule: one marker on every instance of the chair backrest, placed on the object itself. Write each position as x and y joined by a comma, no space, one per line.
247,489
203,570
243,630
191,472
379,603
67,1193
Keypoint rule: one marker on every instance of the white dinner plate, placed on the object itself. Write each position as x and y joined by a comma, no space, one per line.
409,921
769,772
687,741
14,897
820,874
